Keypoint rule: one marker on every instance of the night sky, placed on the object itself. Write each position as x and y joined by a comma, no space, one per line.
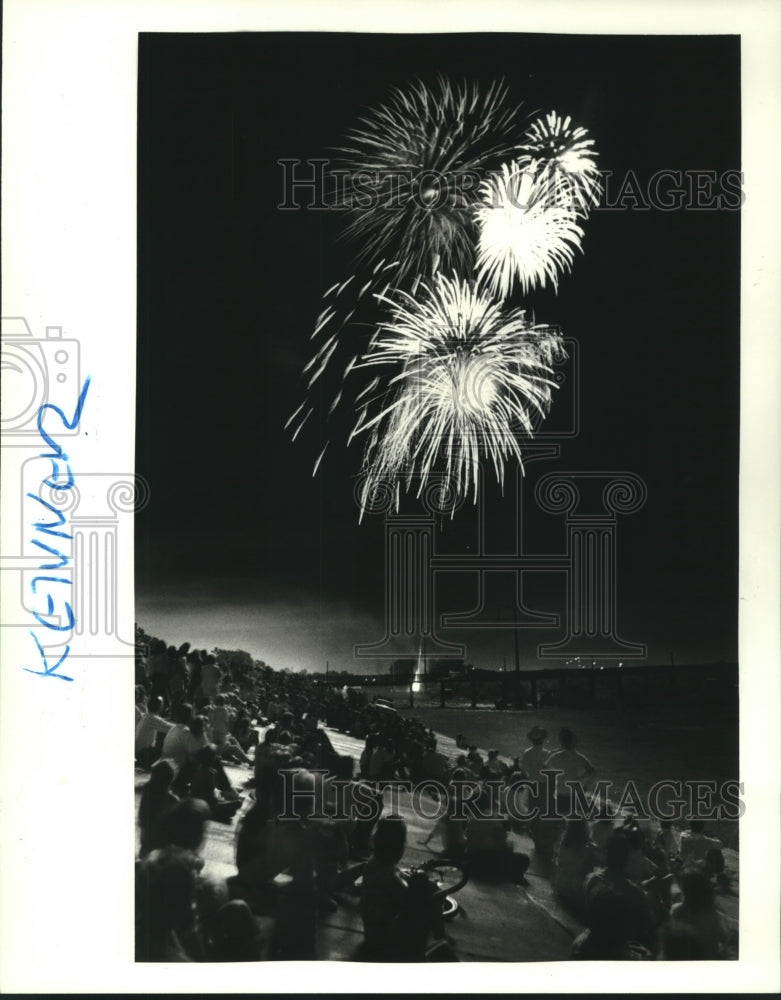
239,545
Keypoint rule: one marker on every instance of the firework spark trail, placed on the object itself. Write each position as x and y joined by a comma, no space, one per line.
524,235
343,332
461,377
568,160
427,150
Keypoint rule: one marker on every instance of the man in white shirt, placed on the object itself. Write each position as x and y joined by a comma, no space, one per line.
147,730
573,765
179,743
534,757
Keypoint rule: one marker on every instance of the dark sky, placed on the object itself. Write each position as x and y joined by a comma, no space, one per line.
240,545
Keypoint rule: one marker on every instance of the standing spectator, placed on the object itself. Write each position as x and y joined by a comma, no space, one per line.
178,678
533,757
157,667
195,665
574,767
210,677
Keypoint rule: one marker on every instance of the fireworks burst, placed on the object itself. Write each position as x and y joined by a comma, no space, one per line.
524,233
459,377
421,157
568,159
434,374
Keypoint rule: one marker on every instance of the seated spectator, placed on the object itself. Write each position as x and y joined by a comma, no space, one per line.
165,908
235,936
474,760
383,765
148,729
630,901
666,852
697,910
695,844
577,856
602,829
607,936
488,850
493,769
179,743
639,867
450,827
220,720
156,800
140,703
205,780
681,943
397,915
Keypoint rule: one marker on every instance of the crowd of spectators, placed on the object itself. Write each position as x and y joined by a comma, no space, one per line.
640,893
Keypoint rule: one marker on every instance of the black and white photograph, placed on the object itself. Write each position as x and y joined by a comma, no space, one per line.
438,405
390,400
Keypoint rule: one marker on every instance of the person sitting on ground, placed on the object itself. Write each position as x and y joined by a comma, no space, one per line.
474,759
140,703
488,849
450,826
665,847
493,769
602,828
235,936
697,910
165,908
607,937
576,857
397,917
179,743
151,726
243,732
220,724
681,943
434,765
633,906
383,765
156,800
220,719
205,780
639,867
695,844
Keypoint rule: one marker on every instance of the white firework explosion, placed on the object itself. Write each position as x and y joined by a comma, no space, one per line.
459,377
524,233
425,152
568,159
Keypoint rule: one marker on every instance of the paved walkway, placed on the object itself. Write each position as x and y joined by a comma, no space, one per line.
494,922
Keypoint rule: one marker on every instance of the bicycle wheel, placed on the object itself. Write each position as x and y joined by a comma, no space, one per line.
448,876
